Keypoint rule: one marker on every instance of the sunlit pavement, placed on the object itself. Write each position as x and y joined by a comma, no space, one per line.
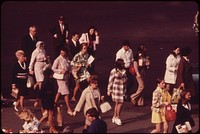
134,119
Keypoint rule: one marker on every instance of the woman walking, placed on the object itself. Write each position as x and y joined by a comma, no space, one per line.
61,65
116,88
19,79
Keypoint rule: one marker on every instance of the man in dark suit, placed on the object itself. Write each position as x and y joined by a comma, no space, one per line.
60,35
28,42
74,45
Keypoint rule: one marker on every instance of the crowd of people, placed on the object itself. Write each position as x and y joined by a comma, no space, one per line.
72,60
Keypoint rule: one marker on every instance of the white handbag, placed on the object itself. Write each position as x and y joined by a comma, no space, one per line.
30,82
58,76
105,106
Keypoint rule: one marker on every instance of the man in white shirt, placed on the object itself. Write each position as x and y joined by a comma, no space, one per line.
126,54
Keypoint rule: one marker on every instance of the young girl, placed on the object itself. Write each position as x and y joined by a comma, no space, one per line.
160,99
117,88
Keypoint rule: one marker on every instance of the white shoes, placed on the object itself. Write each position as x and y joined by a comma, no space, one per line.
116,121
113,120
15,107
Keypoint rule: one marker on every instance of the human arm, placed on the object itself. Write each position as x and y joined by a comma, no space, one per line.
110,82
80,102
32,61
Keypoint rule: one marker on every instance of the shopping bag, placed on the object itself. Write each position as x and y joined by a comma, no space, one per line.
14,92
58,76
176,95
105,107
170,113
30,82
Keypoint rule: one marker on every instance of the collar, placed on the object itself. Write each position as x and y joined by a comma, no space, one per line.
186,58
74,41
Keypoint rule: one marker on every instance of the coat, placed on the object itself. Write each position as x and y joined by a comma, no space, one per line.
87,100
183,114
117,84
171,69
184,75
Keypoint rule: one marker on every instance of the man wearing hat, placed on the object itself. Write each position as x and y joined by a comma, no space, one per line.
60,34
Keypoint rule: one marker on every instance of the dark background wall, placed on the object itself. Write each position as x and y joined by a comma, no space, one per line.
159,25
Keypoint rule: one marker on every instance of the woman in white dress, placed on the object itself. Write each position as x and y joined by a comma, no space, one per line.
38,63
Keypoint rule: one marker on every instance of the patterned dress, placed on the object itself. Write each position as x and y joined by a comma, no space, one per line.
80,74
117,84
159,96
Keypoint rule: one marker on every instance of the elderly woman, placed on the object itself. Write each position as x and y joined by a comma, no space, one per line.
38,63
19,79
79,68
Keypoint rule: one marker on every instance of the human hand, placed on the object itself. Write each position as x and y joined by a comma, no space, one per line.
102,98
67,41
74,113
55,36
96,33
108,93
165,103
63,72
31,72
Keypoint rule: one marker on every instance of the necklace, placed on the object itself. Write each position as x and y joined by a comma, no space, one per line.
23,67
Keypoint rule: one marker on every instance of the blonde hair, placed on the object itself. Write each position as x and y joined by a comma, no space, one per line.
19,53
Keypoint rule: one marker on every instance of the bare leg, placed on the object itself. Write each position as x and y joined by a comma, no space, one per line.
165,127
157,129
75,91
57,97
50,119
69,110
39,84
44,116
36,85
21,102
115,110
118,109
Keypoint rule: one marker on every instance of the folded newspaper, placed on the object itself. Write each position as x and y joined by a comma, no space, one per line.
90,60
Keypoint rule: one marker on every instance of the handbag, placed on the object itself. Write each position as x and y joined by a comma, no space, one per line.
105,107
58,76
14,92
132,69
170,113
30,82
176,95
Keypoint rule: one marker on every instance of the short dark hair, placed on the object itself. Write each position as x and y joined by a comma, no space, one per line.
126,43
93,112
119,63
93,79
185,51
159,79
